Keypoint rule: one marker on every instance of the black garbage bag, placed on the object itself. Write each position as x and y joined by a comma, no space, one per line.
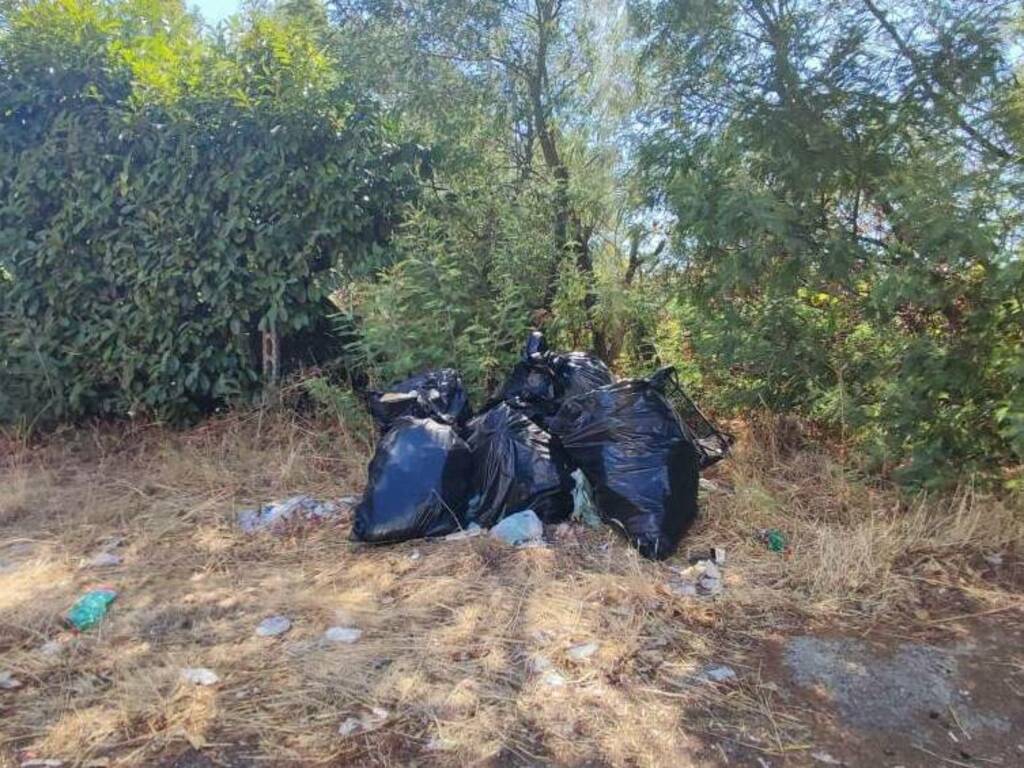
418,483
541,379
517,466
635,451
531,385
577,373
432,394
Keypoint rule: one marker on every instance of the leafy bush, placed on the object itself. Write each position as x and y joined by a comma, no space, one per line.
150,227
473,267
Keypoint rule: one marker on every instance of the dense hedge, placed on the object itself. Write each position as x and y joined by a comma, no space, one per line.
147,235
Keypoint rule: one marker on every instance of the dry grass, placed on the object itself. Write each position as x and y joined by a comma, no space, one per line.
448,637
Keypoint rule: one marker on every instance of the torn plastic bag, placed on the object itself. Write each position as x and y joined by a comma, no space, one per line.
638,456
713,444
431,394
517,466
418,483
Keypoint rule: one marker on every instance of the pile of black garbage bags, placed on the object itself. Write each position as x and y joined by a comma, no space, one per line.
438,468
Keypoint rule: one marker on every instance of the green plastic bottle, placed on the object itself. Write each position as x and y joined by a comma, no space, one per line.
775,540
90,608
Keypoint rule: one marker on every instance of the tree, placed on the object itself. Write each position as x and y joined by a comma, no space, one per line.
846,189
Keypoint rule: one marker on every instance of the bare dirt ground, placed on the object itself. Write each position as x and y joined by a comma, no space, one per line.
889,633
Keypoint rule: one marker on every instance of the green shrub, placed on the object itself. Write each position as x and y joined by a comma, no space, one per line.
154,221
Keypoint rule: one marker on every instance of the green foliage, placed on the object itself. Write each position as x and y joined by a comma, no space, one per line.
341,404
809,207
848,197
474,264
155,215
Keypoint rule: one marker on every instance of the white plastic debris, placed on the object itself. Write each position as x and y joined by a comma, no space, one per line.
582,652
720,674
552,679
468,532
439,744
538,663
42,763
103,560
342,635
415,555
273,626
9,682
349,726
995,559
826,758
51,648
272,517
199,676
370,721
682,588
520,528
701,578
708,486
583,507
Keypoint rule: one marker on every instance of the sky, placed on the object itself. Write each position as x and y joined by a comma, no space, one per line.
215,10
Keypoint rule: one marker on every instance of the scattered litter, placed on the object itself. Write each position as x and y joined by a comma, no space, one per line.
520,528
774,539
709,486
701,578
720,674
414,555
470,531
438,744
533,544
348,501
541,636
103,560
538,663
42,763
826,758
274,517
552,679
51,648
417,484
715,555
995,559
90,608
682,588
370,721
582,652
273,626
8,682
564,532
349,726
199,676
343,634
583,508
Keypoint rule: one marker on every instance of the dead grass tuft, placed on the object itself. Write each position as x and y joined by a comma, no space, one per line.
451,640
